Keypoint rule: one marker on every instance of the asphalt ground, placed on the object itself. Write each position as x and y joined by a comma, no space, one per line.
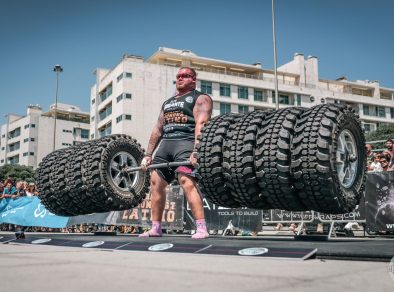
28,267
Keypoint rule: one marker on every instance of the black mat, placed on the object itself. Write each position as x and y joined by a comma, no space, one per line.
166,244
348,249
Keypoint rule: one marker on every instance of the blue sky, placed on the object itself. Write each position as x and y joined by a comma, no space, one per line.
350,37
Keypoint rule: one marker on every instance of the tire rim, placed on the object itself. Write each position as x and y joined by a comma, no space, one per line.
347,158
120,178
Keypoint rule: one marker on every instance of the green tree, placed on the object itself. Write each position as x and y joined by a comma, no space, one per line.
17,172
383,133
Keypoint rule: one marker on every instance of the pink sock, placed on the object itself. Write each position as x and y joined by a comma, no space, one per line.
155,231
202,231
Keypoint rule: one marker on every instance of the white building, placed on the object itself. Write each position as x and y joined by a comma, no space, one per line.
26,140
127,98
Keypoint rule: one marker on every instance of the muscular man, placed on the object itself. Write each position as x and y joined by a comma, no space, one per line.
180,122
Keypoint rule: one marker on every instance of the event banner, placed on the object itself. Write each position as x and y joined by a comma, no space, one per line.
142,214
28,211
218,218
379,201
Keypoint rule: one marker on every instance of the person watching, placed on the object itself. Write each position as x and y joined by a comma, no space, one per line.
20,190
180,122
9,190
375,165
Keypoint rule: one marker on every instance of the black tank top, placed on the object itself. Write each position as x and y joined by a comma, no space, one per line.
178,116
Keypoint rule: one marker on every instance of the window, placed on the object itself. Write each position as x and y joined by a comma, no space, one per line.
299,99
283,99
366,109
32,139
243,109
2,148
93,101
2,161
28,139
30,125
129,75
13,160
25,140
128,117
77,143
14,133
242,92
67,131
367,127
14,146
381,111
128,95
206,87
392,113
31,153
105,92
224,89
3,136
258,95
119,77
92,118
225,108
118,119
26,154
119,98
92,136
84,134
66,144
105,112
105,130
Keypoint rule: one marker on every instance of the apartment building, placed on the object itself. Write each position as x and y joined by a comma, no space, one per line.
127,98
26,140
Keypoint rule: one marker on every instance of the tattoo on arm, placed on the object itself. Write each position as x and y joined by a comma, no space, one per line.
157,133
202,113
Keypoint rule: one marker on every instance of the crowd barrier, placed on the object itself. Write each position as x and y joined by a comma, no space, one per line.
376,210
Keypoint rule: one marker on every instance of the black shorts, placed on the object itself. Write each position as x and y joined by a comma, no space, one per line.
174,151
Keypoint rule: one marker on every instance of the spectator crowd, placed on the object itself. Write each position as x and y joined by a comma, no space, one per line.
381,160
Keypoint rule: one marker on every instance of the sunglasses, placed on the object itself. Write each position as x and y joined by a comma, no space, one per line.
184,76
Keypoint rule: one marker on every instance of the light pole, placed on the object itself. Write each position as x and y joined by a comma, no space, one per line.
58,69
275,68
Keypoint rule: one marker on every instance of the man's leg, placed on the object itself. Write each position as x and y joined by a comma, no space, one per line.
158,200
194,198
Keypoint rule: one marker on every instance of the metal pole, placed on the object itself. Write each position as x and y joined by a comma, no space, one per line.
56,69
275,69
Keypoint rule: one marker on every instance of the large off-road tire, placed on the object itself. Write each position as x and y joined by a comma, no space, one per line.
329,159
210,158
50,171
273,159
238,161
90,177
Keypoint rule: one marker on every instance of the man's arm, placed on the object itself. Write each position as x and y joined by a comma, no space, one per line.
156,134
202,112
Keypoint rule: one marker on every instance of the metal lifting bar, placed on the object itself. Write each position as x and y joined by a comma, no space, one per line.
159,165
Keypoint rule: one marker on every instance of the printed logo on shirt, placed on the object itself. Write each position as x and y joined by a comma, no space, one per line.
174,104
189,99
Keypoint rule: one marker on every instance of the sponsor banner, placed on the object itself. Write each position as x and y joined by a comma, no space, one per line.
218,218
357,215
379,201
28,211
277,215
141,216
